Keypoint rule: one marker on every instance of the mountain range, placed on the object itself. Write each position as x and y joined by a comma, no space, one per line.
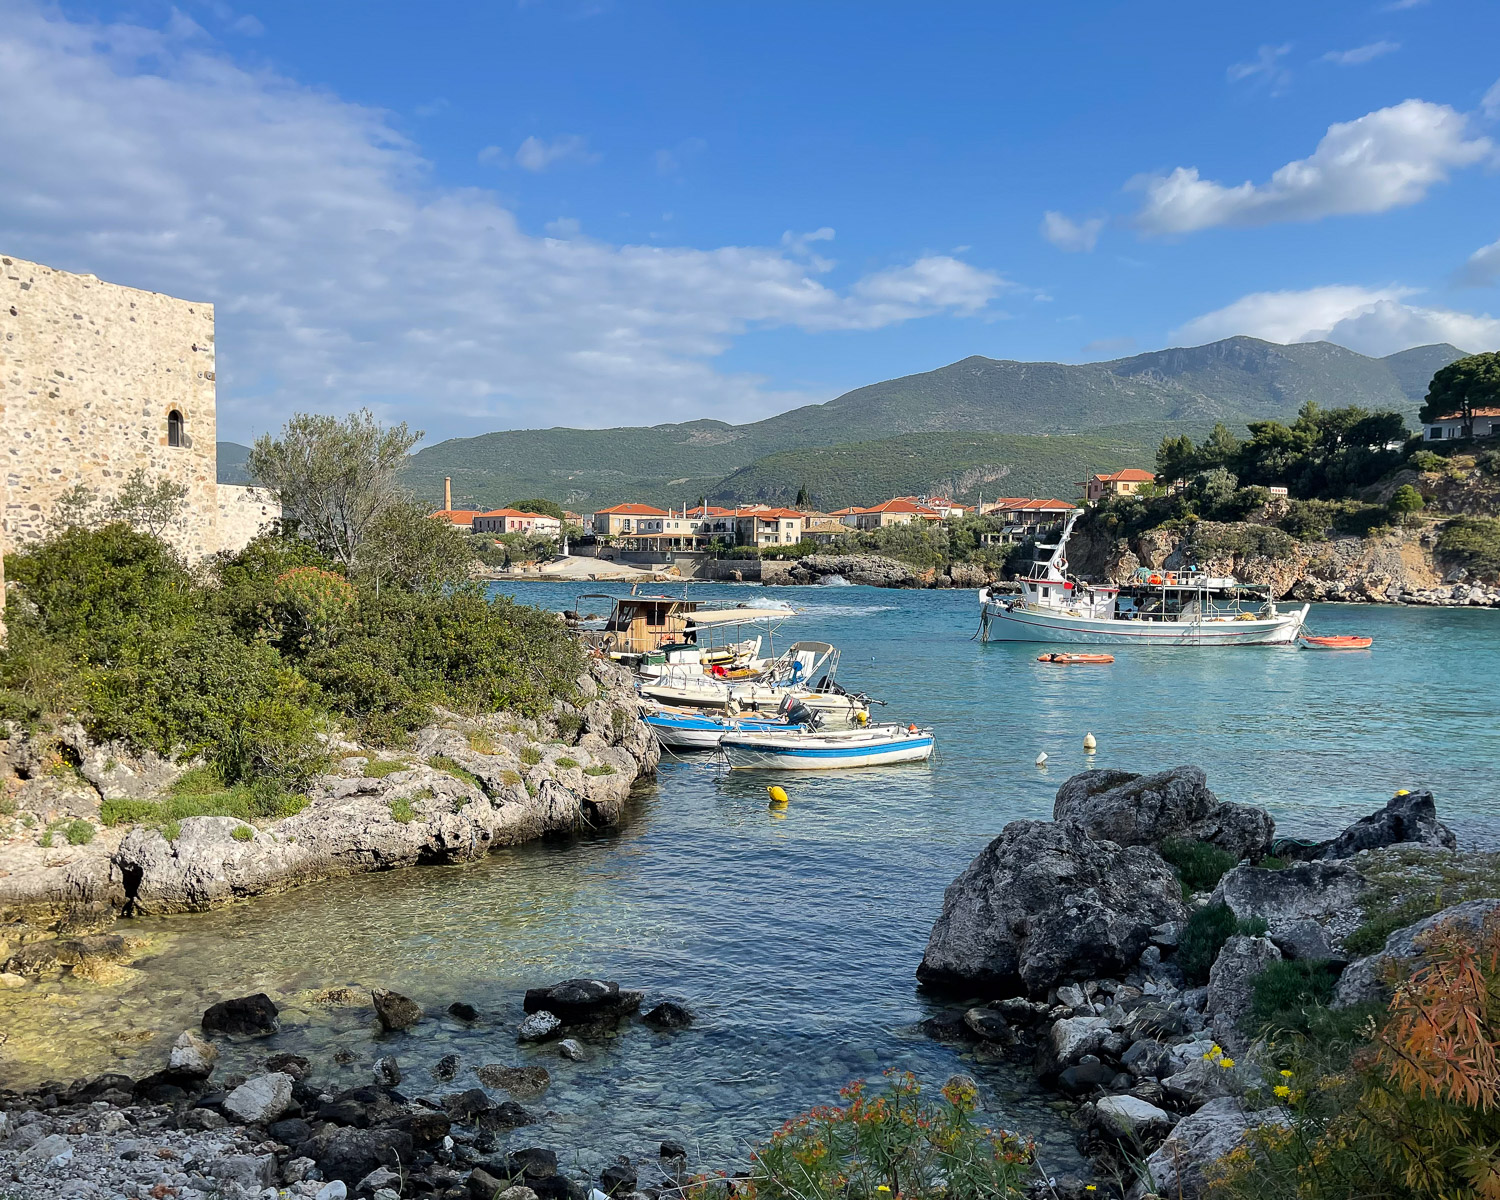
978,426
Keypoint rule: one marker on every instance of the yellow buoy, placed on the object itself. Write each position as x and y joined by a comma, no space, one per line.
1404,792
862,718
778,796
1089,745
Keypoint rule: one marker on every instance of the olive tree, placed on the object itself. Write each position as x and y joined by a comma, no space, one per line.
336,477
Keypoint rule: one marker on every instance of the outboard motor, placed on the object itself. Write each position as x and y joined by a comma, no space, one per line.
794,712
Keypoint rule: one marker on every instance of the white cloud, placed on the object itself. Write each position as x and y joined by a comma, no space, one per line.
1483,266
537,154
1067,234
1490,105
1267,63
1385,159
343,276
564,227
1371,320
1361,54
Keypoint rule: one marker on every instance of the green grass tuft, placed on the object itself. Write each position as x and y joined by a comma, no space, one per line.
566,764
530,755
442,762
242,833
1200,865
402,811
599,769
379,768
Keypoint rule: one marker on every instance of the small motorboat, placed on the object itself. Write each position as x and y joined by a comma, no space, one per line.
1345,642
1068,659
695,729
825,750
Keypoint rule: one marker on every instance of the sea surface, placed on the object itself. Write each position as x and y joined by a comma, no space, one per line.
794,937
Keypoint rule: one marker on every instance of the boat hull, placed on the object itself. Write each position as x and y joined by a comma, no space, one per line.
749,754
700,733
1019,624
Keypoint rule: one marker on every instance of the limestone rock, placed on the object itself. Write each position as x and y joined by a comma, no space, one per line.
253,1016
580,1001
1145,810
1231,980
1070,1039
395,1011
1405,820
1042,903
260,1100
192,1055
538,1027
1328,893
1128,1117
668,1015
1176,1168
1364,979
570,1050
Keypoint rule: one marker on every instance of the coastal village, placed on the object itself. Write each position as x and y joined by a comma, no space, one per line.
1134,839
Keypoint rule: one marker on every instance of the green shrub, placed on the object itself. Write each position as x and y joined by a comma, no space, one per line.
1286,992
203,793
312,607
1204,936
530,755
1200,865
480,742
1406,499
172,830
599,769
569,725
442,762
379,768
402,811
566,764
1472,543
79,832
1426,460
242,833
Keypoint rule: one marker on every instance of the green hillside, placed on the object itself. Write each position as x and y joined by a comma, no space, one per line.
1235,380
232,458
961,466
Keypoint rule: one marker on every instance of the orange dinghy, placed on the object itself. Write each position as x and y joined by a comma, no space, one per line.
1346,642
1066,659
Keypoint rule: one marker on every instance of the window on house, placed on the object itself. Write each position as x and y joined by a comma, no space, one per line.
174,428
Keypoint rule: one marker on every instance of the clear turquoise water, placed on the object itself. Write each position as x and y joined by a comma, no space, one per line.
794,938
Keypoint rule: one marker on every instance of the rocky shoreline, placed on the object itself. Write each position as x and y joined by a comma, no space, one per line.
462,788
1066,939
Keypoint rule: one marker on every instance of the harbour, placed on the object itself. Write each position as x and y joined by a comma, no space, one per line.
794,936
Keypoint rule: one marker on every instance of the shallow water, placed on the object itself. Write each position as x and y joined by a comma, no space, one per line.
794,938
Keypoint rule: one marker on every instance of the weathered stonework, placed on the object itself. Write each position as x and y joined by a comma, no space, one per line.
91,375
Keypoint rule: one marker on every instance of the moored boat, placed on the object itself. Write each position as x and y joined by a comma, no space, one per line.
1337,642
1155,607
827,750
696,729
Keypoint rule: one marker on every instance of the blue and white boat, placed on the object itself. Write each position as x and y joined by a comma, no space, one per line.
826,750
694,729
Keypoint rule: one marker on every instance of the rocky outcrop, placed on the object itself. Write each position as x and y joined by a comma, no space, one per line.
1146,810
1409,818
464,787
871,569
1231,985
1366,979
1328,894
1176,1169
1044,903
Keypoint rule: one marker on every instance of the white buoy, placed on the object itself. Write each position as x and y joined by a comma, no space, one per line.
1089,745
1041,759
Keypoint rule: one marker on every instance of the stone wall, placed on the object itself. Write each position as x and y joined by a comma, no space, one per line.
244,512
91,374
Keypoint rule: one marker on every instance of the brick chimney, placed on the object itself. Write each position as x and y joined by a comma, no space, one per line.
448,494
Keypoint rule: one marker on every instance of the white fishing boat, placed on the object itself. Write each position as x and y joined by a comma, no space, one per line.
806,672
827,750
698,729
1155,608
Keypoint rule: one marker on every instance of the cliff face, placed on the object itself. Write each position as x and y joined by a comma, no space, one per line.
1395,567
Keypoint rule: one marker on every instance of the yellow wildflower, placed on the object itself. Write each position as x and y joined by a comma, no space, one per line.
1281,1091
1226,1063
1286,1074
1213,1052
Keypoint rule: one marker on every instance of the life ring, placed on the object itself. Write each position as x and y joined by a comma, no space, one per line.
1171,576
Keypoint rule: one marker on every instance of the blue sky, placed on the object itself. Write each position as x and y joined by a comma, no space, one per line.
497,215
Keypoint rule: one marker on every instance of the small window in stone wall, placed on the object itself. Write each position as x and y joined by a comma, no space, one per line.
174,429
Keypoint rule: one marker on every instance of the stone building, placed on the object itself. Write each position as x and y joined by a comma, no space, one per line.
98,379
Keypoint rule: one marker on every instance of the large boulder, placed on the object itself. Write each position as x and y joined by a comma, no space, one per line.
1408,818
1365,979
260,1100
251,1016
581,1001
1044,903
1176,1169
1328,893
1146,810
395,1011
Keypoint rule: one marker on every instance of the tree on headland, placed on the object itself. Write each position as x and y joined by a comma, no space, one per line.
545,507
1462,387
336,477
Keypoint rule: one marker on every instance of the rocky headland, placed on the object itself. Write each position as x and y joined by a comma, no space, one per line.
462,787
1068,942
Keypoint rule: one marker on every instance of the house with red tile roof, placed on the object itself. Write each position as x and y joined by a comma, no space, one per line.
901,511
512,520
461,517
1482,422
1120,483
621,520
